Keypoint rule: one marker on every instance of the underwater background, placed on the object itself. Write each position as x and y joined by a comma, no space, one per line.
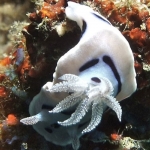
33,36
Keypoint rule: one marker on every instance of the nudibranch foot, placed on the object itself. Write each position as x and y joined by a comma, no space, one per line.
92,96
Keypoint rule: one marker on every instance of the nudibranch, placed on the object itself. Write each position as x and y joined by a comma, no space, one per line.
96,73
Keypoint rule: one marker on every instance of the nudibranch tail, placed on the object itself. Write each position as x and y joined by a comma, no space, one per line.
75,143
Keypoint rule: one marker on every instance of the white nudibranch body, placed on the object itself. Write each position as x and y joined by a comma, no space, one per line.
96,73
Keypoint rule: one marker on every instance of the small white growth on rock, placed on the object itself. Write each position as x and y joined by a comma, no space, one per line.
146,67
63,27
